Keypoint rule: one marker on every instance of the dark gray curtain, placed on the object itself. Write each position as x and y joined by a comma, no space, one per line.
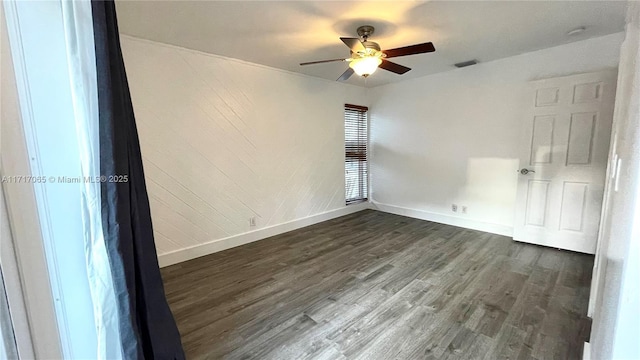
147,327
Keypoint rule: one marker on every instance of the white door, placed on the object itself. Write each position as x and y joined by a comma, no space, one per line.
563,160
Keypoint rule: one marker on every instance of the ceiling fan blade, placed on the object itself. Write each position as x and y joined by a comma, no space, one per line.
410,50
346,75
353,43
393,67
320,61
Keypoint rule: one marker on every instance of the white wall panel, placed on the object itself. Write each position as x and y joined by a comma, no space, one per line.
224,140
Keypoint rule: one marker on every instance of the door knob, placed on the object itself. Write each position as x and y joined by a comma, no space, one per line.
525,171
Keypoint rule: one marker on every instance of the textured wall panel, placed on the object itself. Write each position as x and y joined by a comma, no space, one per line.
224,141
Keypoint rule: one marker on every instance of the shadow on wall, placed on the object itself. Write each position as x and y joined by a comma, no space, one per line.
486,186
408,179
490,189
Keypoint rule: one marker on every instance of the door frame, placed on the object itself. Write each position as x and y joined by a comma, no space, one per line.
613,167
23,255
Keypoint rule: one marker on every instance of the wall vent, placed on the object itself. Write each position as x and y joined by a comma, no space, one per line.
465,63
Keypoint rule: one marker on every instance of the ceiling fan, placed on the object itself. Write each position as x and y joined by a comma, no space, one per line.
366,56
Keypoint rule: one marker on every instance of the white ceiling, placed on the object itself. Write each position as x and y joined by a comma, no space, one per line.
282,34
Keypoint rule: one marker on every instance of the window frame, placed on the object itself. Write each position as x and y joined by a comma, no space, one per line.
364,194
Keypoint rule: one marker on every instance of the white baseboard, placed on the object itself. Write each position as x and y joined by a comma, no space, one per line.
586,351
445,219
211,247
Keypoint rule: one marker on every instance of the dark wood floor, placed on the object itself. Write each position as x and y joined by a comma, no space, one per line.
378,286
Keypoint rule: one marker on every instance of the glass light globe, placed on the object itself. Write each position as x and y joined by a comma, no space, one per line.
365,66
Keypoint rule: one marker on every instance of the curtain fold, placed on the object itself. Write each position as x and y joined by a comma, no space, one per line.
146,325
78,25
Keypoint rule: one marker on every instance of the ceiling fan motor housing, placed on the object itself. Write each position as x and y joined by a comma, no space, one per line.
371,45
365,31
371,49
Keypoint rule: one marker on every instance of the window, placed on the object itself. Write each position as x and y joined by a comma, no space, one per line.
355,148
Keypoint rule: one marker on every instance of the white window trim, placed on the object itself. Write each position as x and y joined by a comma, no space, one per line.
24,261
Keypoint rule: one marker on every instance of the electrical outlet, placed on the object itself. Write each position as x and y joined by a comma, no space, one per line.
454,207
464,209
252,221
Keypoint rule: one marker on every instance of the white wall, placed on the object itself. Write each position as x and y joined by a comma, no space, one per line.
616,329
454,137
225,140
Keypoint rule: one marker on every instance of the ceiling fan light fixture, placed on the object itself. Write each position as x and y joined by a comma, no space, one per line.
365,66
367,56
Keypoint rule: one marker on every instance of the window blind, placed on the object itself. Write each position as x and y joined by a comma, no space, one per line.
355,160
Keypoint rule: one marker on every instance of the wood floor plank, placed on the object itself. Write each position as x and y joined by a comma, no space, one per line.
372,285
